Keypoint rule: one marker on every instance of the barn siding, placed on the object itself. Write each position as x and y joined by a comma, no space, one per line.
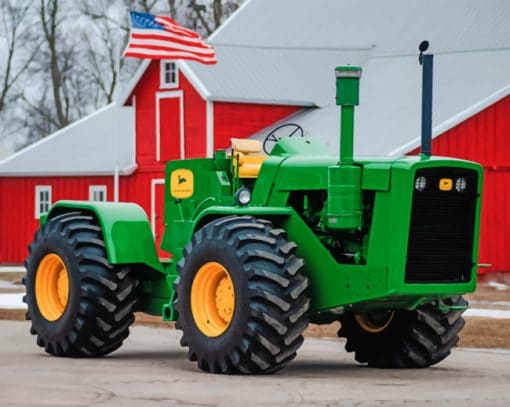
242,120
485,138
194,120
17,205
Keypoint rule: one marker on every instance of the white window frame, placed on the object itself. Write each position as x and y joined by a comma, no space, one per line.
162,75
38,202
98,188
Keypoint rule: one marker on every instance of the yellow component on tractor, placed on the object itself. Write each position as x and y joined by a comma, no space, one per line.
247,158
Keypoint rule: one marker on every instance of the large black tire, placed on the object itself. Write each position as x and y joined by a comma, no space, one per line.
269,315
101,297
412,339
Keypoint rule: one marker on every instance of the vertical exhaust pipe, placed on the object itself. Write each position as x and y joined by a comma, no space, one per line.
427,63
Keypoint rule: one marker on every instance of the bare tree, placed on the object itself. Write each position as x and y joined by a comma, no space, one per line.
58,92
62,60
211,14
13,13
49,23
172,8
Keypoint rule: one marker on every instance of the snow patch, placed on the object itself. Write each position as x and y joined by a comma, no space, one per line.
8,284
12,301
498,286
487,313
12,269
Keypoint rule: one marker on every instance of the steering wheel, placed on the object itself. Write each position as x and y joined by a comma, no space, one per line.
289,130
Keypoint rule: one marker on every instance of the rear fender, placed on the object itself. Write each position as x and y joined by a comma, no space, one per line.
126,230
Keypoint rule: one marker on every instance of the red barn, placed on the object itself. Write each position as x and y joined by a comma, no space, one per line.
119,153
276,68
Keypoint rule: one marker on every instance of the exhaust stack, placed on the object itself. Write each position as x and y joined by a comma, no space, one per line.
427,63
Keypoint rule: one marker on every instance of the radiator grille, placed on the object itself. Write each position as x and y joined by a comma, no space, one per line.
441,232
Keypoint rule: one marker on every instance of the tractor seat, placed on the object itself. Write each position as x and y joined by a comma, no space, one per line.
246,154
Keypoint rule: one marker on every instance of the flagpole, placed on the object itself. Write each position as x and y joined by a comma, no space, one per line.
116,175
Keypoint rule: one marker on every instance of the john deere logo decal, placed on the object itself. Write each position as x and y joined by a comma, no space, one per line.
181,184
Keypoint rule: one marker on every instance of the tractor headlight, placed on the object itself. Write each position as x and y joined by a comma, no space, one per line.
421,183
243,196
461,184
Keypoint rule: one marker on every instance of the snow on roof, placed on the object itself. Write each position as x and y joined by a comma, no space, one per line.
90,146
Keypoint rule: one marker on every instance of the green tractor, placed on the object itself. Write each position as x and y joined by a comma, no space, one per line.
264,244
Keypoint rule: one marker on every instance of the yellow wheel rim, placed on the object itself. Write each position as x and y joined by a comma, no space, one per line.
51,287
212,299
374,325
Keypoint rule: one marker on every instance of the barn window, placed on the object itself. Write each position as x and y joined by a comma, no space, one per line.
169,77
42,200
97,193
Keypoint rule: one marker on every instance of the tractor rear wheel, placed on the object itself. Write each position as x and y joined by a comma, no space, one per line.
241,299
403,339
78,303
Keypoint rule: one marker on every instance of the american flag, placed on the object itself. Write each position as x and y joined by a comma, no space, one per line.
160,37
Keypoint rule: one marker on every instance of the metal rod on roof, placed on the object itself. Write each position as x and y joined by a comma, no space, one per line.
427,62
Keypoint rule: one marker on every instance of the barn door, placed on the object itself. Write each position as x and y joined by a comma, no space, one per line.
170,126
157,215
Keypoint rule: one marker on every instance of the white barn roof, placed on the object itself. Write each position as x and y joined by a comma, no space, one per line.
470,40
285,51
90,146
391,27
388,120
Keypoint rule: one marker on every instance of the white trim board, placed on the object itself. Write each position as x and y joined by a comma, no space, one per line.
37,195
167,95
182,66
209,129
154,182
191,76
162,73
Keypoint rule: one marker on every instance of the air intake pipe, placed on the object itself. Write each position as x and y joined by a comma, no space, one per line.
344,205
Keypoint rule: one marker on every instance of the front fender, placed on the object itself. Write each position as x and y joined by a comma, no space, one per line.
262,211
126,230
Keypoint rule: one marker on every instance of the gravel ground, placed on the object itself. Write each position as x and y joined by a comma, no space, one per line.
151,369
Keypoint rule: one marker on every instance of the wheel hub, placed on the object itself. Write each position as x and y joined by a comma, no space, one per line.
212,299
374,322
52,287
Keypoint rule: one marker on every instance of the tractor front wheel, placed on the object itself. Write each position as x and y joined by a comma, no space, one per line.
403,339
241,299
78,303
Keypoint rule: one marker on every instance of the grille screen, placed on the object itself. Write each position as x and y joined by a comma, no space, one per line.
442,226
